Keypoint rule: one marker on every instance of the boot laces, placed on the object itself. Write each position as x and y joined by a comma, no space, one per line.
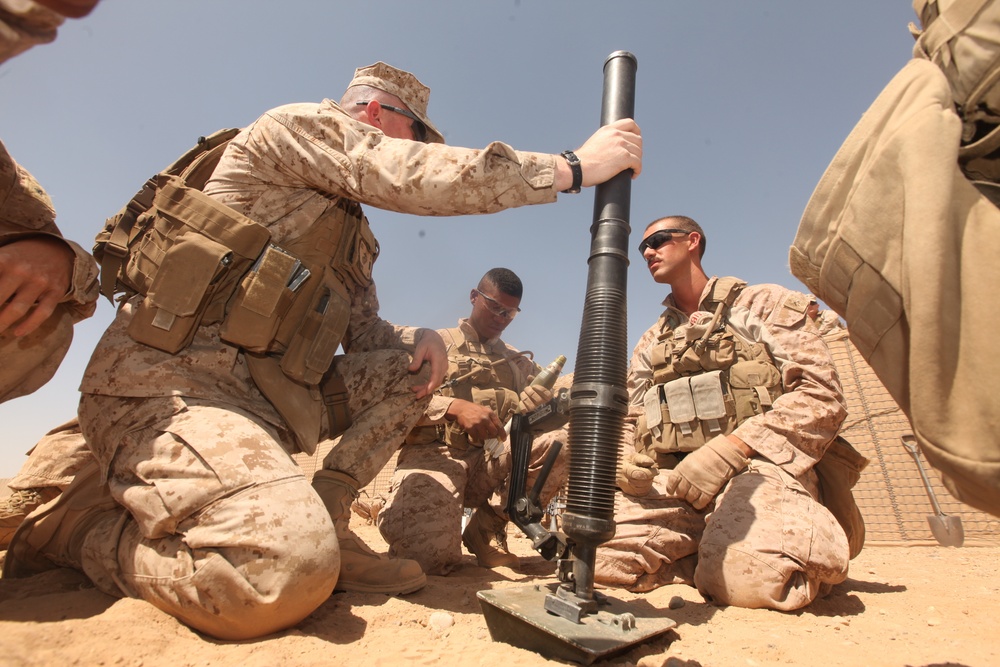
20,500
500,537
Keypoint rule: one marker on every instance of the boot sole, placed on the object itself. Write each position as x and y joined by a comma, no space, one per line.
410,587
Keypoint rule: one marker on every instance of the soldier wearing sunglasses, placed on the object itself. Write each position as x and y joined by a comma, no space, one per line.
213,423
444,467
734,399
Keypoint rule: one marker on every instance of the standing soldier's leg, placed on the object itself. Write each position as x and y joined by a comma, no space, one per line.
769,543
204,515
383,410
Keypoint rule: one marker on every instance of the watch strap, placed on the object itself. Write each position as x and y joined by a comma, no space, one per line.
574,165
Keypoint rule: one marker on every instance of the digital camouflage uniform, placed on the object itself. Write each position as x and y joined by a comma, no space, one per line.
216,524
765,541
23,24
826,322
29,362
439,471
25,211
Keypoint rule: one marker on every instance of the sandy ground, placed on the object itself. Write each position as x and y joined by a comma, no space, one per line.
914,606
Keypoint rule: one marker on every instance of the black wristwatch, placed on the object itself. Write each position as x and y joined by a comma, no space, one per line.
574,164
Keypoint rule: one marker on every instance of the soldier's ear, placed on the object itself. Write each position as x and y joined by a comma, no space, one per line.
694,240
373,113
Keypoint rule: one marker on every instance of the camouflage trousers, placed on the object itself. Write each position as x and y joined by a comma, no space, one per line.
219,527
433,483
54,460
383,410
766,542
28,362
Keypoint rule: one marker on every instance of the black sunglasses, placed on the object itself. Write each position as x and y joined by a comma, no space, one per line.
418,127
658,238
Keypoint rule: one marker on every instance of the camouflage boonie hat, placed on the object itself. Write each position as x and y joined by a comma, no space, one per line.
403,85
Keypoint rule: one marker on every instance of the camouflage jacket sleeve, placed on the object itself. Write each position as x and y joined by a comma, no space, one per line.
367,331
321,147
26,210
23,24
806,418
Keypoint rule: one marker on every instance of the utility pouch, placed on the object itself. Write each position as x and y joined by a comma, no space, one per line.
116,244
187,263
709,403
300,406
754,385
314,342
263,300
719,351
682,430
838,471
335,398
356,257
453,436
189,274
501,401
486,397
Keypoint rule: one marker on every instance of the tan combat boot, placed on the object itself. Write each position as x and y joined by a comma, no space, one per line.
15,507
53,535
484,528
361,569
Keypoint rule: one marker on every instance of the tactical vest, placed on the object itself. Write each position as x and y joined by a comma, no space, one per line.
707,378
477,375
196,261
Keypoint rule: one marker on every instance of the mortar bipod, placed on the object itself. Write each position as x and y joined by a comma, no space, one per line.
523,508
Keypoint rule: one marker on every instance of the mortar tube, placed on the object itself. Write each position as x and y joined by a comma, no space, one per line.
599,398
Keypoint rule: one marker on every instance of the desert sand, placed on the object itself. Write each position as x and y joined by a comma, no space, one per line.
901,605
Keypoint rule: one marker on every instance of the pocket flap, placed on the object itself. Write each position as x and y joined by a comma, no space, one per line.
188,269
680,402
709,402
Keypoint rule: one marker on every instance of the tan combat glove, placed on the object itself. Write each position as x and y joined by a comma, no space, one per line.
702,474
636,474
534,396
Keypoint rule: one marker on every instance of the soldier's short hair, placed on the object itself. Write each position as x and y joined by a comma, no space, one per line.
688,225
504,280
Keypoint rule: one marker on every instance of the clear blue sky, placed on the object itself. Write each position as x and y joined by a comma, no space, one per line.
742,105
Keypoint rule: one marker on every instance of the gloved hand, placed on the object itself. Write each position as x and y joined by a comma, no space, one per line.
702,474
636,474
534,396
